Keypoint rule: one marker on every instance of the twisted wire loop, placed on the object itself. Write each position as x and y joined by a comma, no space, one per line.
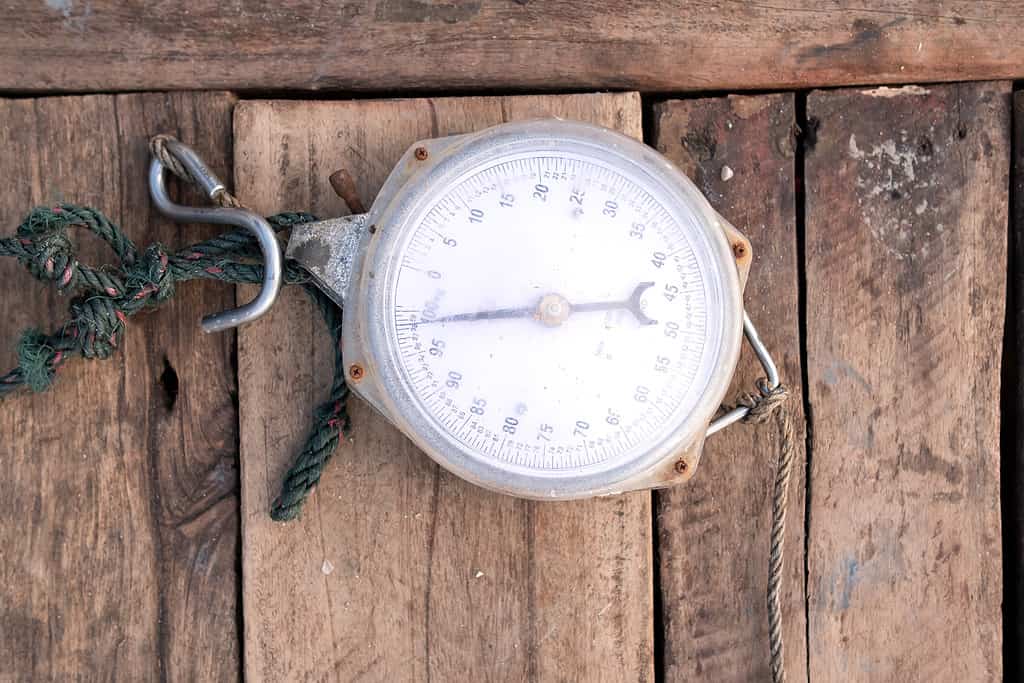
103,299
763,406
158,148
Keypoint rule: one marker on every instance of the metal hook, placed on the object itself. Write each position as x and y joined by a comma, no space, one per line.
770,381
252,222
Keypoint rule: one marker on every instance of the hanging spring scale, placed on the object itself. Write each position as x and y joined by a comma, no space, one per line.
548,309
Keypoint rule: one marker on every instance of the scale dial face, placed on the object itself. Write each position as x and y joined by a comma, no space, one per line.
554,312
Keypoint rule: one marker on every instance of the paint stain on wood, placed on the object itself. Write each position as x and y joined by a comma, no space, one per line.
905,243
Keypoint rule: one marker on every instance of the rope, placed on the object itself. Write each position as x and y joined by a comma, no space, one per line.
103,299
158,148
762,406
329,419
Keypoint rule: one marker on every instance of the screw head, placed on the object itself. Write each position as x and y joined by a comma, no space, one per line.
421,153
356,372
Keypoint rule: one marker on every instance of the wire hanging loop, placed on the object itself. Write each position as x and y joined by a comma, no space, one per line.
768,385
180,159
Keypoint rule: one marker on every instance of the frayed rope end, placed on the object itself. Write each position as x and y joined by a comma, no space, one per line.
35,360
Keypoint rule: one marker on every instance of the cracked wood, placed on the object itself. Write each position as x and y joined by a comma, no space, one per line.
118,504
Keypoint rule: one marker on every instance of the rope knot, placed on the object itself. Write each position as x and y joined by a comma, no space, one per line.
107,295
36,360
48,252
97,325
149,278
763,404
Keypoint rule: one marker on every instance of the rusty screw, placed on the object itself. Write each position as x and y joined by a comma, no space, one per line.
739,250
681,467
421,153
345,187
355,372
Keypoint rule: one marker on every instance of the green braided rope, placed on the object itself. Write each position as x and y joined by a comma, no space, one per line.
330,418
104,299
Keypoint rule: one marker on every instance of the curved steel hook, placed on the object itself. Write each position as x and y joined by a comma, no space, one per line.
252,222
770,381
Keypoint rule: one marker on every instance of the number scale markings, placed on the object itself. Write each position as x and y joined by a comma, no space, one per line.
522,389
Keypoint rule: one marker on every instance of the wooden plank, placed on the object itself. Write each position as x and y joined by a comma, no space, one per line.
906,258
713,533
653,45
429,578
118,504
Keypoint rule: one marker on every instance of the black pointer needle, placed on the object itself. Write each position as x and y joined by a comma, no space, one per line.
487,315
632,304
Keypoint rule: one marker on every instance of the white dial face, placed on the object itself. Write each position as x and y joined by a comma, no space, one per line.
552,313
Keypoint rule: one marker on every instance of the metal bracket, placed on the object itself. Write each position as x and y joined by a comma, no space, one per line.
327,250
770,382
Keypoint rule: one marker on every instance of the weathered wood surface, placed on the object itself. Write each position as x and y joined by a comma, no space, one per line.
906,254
118,504
397,570
387,45
713,532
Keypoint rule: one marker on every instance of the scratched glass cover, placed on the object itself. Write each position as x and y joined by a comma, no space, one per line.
550,312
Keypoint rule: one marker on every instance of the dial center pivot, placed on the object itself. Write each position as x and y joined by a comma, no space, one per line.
553,310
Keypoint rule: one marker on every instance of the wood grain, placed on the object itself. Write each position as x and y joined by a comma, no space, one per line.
118,504
396,569
713,533
385,45
906,254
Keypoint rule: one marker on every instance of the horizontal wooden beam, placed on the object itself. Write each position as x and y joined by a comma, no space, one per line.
649,45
